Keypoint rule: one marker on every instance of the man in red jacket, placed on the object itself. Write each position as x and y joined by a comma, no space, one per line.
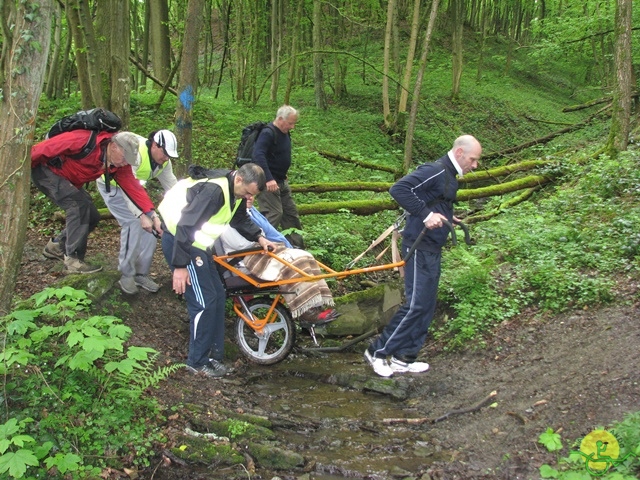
61,165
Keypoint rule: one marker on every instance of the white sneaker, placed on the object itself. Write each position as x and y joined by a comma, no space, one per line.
398,366
379,365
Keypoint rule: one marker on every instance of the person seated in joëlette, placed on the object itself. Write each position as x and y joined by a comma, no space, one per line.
309,302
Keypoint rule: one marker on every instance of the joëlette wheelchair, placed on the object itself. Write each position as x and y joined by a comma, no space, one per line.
264,329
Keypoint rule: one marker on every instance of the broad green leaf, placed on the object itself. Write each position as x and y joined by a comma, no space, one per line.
83,360
74,338
139,353
550,440
16,462
9,428
64,463
548,472
41,451
20,440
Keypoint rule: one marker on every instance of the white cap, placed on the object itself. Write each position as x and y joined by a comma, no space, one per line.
167,141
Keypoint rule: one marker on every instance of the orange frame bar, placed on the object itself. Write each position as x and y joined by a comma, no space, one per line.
304,277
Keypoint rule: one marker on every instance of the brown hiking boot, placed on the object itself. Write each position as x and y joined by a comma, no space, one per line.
75,265
53,250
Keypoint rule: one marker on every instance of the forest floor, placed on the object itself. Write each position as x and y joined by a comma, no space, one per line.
571,372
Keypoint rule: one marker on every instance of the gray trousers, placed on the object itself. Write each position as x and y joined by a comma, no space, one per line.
136,245
81,214
281,211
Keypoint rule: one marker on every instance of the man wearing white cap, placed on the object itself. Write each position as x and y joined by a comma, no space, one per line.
137,243
61,165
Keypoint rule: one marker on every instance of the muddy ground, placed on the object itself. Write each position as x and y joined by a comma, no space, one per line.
570,372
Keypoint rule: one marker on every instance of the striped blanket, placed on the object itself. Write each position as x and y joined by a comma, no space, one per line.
301,296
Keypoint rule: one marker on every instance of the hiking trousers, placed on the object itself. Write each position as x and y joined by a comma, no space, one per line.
406,332
137,246
81,214
281,211
205,304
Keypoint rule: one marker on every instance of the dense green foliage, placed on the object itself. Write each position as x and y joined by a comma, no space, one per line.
622,466
74,391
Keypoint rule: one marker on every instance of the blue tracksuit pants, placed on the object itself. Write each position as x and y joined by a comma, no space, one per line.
407,330
205,304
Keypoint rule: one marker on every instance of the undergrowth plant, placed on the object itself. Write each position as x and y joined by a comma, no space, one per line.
593,456
74,390
565,250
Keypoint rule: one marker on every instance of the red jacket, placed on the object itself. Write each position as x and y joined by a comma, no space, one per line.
90,167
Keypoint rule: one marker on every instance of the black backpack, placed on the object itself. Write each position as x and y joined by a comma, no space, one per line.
248,140
96,120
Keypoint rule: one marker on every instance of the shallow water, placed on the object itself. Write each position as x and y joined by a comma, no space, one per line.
342,430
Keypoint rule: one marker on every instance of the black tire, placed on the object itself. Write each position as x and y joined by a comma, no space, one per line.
278,337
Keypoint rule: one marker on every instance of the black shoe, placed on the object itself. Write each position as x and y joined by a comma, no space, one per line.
209,370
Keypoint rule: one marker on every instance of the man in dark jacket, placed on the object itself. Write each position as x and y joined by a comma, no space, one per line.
61,165
195,212
427,194
272,151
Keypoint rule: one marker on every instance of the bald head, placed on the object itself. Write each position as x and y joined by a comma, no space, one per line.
467,150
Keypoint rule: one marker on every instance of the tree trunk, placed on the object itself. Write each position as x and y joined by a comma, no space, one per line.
294,51
119,46
318,77
277,22
146,40
386,61
254,51
457,17
411,126
483,36
22,79
225,14
240,50
73,20
188,83
621,111
339,63
160,42
408,68
95,62
54,58
63,72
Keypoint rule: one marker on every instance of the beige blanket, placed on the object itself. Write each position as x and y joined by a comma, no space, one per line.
300,296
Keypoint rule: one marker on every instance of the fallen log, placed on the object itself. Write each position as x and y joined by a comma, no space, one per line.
509,203
370,166
546,138
477,176
357,207
341,187
593,103
504,170
368,207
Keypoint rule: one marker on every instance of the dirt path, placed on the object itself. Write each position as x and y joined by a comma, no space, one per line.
571,372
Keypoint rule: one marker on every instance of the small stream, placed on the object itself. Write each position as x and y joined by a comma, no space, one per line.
342,427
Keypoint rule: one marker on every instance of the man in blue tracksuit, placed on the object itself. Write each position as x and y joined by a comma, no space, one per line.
427,194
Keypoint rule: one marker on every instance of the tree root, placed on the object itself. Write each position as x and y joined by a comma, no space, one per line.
460,411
